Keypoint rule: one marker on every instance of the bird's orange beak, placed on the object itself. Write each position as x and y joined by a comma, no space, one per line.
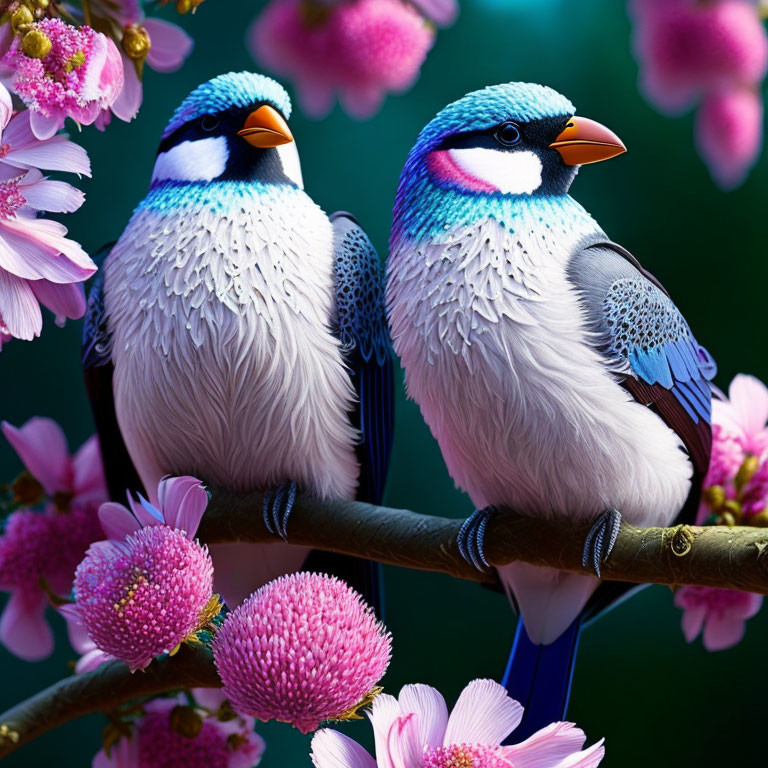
265,127
586,141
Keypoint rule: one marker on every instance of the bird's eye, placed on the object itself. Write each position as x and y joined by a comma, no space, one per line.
508,134
209,122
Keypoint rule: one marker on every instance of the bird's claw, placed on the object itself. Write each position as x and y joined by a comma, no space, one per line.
471,538
277,508
600,539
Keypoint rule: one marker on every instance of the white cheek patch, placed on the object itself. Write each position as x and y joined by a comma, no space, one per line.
289,158
202,160
513,173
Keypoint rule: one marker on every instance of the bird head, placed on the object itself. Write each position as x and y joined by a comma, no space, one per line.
510,139
232,128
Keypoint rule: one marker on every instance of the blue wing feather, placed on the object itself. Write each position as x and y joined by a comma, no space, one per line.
362,328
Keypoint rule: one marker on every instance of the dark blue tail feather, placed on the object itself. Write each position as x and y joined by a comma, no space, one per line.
539,677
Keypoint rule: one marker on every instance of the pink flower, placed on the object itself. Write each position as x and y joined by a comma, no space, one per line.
302,649
42,446
159,740
19,147
46,545
38,265
716,52
81,76
361,49
150,588
722,613
744,414
416,730
686,48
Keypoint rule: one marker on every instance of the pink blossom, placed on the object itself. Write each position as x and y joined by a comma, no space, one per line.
744,413
686,48
156,743
47,545
145,596
416,729
81,76
722,613
302,649
150,587
38,264
360,50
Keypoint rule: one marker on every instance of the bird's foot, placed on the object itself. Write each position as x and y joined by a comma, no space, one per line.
471,538
277,508
600,539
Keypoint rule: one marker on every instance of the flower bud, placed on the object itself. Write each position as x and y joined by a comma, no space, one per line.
136,42
186,722
21,18
35,44
714,496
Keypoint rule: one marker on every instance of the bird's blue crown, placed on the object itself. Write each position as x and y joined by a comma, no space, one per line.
235,89
521,102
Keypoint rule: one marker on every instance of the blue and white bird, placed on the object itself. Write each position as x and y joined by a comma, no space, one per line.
238,333
557,375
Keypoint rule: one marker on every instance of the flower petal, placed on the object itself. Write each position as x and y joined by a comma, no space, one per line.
18,307
182,501
484,714
692,622
430,709
54,196
442,12
331,749
44,127
116,521
147,514
170,45
128,102
23,628
749,399
403,742
547,747
42,446
89,481
63,299
91,660
723,632
383,713
589,758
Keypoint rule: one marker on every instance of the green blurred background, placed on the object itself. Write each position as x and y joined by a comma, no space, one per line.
656,700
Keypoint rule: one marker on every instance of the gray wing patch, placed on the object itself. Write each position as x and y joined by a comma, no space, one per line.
97,342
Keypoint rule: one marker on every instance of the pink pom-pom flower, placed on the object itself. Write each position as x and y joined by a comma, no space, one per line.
303,649
715,53
360,50
80,77
171,733
415,729
735,491
40,550
143,595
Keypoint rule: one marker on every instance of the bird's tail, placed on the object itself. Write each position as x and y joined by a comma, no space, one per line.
539,677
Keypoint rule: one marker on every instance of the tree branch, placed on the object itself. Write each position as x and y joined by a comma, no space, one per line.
708,556
104,688
713,556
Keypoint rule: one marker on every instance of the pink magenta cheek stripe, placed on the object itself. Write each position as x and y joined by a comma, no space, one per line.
445,169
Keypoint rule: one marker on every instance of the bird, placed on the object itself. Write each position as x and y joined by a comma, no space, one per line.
237,333
556,374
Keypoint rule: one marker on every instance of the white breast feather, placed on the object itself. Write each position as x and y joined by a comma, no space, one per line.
225,367
527,415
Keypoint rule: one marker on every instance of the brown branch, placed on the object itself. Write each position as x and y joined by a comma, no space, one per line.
710,556
104,688
714,556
